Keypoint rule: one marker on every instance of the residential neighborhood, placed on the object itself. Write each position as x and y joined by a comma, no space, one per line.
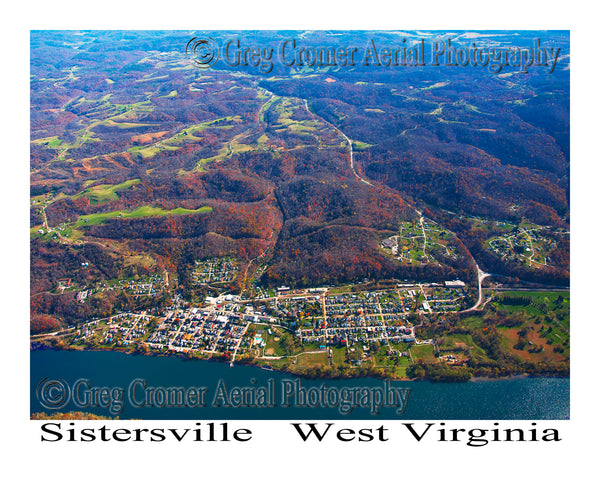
322,321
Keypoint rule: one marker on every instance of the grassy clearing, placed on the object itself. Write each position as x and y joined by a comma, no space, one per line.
423,352
436,85
277,343
225,151
50,142
152,150
357,145
306,126
471,108
106,193
312,359
544,296
339,355
145,211
554,304
266,106
123,125
456,341
223,154
34,232
340,289
189,134
141,260
528,309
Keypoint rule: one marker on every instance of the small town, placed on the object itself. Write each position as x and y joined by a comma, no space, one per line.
322,324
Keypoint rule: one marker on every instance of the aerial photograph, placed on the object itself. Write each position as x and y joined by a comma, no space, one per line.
265,224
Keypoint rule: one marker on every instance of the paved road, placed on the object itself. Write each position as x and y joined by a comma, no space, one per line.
481,275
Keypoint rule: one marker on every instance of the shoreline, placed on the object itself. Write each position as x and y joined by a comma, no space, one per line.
184,357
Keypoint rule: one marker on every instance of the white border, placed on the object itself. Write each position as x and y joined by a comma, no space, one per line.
275,452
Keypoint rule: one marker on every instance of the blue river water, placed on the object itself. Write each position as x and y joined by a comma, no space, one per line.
135,387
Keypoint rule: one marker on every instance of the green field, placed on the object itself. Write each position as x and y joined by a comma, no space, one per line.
423,352
283,346
357,145
50,142
533,326
340,289
106,193
472,348
145,211
554,304
339,355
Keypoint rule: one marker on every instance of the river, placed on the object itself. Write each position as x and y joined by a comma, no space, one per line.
134,386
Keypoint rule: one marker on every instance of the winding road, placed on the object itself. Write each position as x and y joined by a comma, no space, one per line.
481,275
347,140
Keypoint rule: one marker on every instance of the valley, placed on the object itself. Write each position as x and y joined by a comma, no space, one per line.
391,204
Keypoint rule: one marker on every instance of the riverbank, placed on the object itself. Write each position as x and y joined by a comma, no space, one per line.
423,372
